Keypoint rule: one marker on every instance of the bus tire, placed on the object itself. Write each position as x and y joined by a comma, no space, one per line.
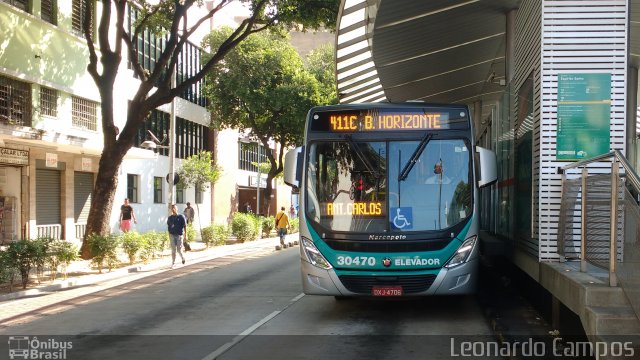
341,297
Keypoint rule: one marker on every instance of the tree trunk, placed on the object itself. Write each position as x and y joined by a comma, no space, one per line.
102,199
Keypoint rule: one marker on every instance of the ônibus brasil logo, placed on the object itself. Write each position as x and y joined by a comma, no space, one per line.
25,347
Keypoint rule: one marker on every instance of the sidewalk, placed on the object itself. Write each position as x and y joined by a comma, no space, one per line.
88,280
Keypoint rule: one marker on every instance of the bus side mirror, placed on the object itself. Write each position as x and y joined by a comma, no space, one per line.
487,167
293,167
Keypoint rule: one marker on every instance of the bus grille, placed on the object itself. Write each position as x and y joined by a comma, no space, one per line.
387,246
410,283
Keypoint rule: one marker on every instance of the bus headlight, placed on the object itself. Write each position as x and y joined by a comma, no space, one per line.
462,254
313,254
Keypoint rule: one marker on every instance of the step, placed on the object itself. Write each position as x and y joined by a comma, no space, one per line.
611,320
604,296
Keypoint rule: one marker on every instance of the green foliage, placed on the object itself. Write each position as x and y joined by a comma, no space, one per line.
215,235
132,242
191,233
268,224
8,269
263,87
321,63
103,249
199,171
61,253
243,226
22,253
220,234
153,242
41,254
294,225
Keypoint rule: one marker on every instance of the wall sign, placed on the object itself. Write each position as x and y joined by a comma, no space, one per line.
51,160
86,164
14,156
584,116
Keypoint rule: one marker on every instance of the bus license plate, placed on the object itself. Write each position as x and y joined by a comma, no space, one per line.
387,291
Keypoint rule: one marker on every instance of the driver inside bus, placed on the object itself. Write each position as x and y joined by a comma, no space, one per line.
436,175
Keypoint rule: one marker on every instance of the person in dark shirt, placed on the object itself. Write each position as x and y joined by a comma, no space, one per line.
126,215
177,226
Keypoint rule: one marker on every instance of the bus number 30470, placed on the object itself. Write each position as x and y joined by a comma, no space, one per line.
356,260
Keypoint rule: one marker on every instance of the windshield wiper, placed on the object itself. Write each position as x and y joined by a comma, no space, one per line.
414,157
362,157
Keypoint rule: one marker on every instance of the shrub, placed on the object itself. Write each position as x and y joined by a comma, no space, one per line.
191,232
215,235
268,224
153,242
132,242
22,254
41,254
295,225
220,234
244,227
103,249
62,253
8,269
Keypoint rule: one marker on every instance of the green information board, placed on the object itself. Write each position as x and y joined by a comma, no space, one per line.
584,115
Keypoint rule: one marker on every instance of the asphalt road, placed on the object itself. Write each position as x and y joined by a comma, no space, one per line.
249,308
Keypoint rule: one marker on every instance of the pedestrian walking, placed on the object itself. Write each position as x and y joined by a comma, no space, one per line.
282,223
189,213
177,226
126,215
292,212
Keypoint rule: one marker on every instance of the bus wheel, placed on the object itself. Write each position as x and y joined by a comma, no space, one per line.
342,298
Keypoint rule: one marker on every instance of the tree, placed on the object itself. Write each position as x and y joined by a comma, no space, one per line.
115,38
199,171
263,87
321,63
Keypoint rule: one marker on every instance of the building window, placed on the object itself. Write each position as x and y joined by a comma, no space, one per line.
20,4
149,48
157,190
78,16
198,196
48,11
132,187
179,193
84,113
250,155
191,138
15,102
49,101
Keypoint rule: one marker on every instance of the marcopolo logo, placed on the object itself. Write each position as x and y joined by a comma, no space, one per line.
26,347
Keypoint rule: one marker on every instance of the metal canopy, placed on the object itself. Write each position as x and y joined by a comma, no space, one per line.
437,51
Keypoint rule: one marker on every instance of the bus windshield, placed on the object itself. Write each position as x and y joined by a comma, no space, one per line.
356,186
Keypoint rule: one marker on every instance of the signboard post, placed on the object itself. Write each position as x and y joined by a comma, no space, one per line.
584,116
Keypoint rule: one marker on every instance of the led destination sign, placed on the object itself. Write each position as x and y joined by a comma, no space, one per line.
388,120
357,208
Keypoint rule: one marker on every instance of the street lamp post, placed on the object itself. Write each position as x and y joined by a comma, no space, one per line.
172,150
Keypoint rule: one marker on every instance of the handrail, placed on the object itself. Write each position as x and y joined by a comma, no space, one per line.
631,174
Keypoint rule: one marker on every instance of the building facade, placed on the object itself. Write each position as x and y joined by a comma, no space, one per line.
50,130
51,140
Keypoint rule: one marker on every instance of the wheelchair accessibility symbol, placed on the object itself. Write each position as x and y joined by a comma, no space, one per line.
403,219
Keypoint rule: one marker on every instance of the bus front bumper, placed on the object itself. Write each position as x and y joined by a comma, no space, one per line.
459,280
